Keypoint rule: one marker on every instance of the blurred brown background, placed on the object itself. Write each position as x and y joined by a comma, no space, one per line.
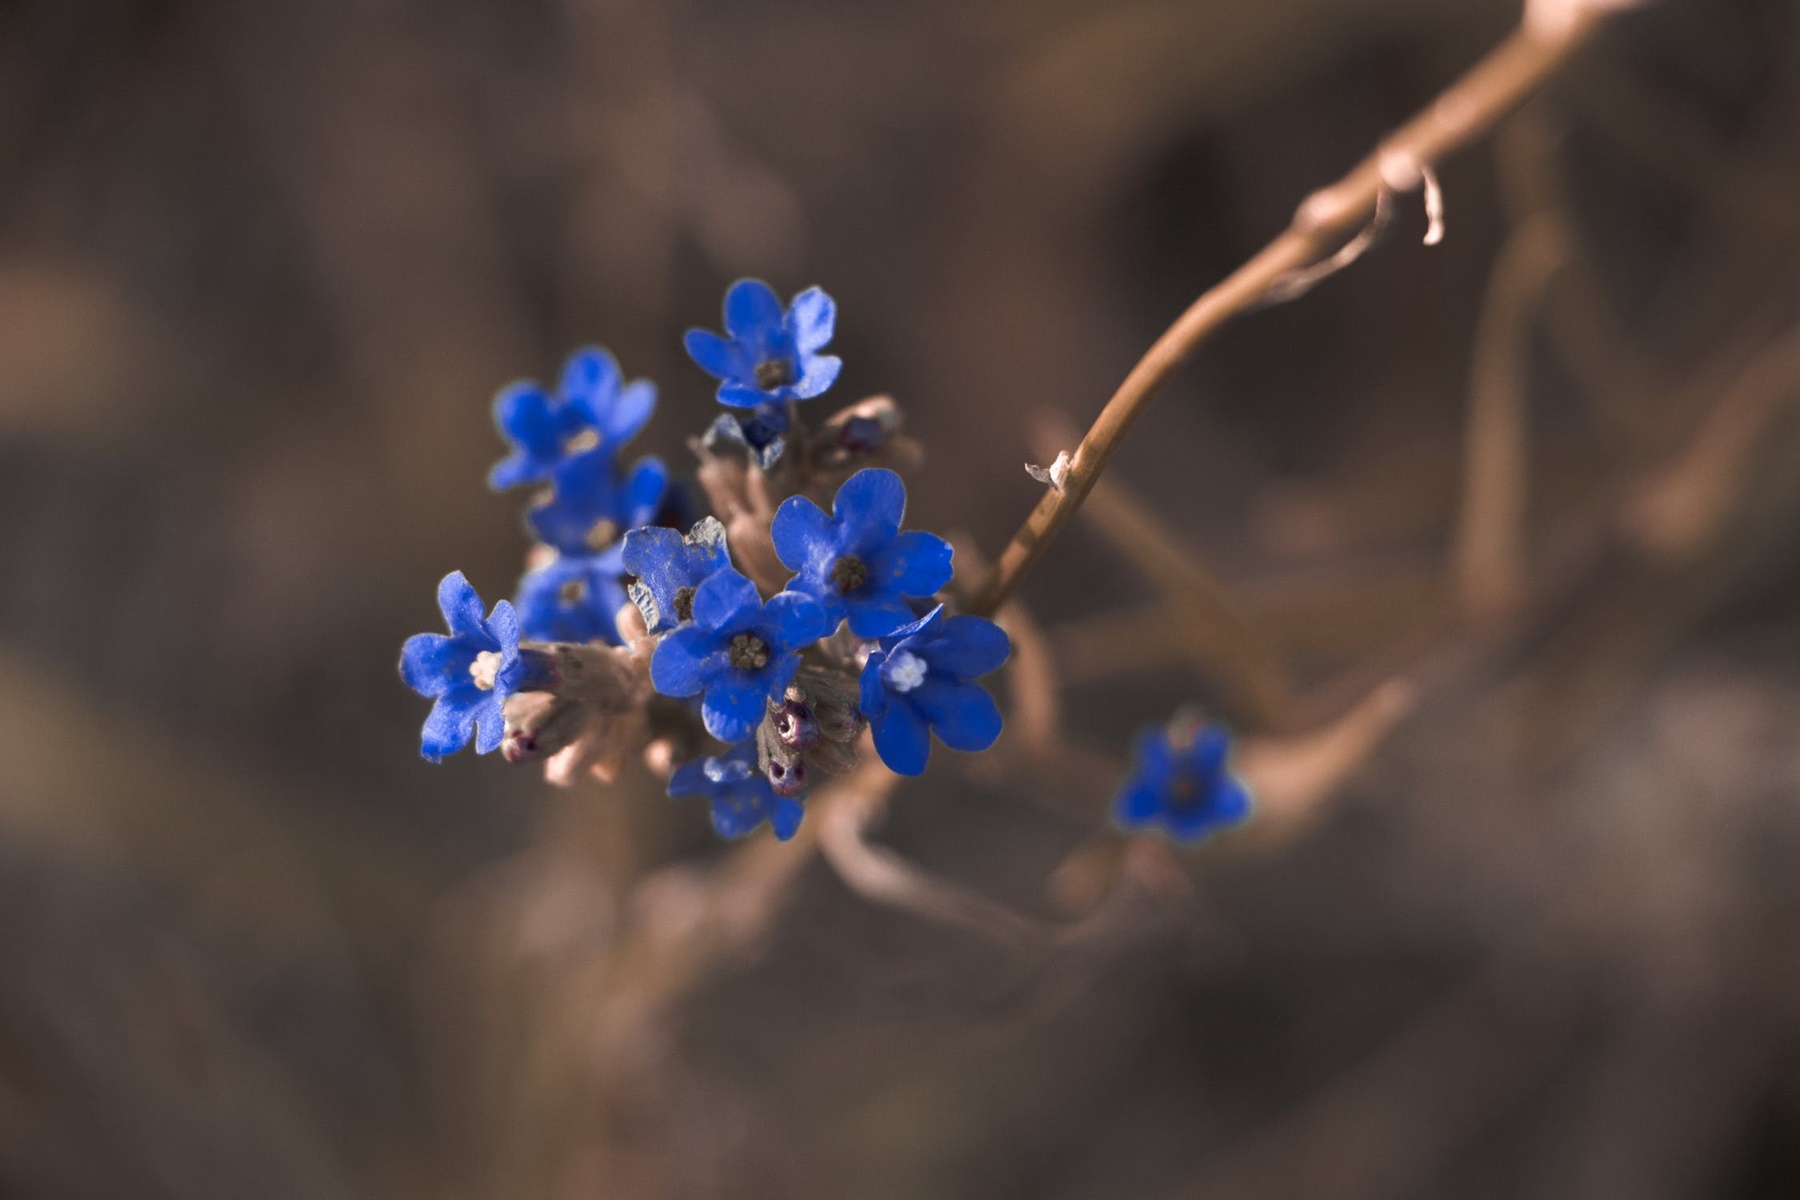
262,266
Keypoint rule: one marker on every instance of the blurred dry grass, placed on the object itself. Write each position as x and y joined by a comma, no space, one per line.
261,266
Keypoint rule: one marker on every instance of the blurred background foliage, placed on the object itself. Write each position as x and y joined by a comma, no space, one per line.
262,266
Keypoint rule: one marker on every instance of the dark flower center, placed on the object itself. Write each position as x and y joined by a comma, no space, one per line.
749,652
849,573
603,534
684,604
773,373
572,593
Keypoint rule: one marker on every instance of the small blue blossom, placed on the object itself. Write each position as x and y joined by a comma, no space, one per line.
739,652
1185,788
573,598
469,674
856,563
670,568
593,502
762,432
917,680
591,407
740,794
771,355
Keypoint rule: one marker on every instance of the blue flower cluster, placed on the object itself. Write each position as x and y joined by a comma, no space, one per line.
1180,783
821,626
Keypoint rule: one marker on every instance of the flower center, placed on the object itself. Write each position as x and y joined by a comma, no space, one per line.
586,440
485,667
603,534
849,573
773,373
905,671
572,593
684,604
749,652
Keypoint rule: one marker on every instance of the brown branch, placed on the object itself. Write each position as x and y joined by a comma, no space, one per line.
1468,109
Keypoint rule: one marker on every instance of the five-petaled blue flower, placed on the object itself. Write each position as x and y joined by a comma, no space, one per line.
740,793
1185,788
593,503
917,680
738,651
670,568
856,563
771,356
573,598
592,407
469,673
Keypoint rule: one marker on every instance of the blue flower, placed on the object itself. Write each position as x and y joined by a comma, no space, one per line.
738,651
762,432
1184,788
591,407
740,794
772,356
469,674
593,503
573,598
856,563
917,680
670,568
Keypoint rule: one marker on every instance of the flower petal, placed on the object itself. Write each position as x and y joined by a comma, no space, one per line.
628,414
450,724
1138,804
798,620
644,492
872,502
878,617
430,663
902,739
963,714
461,606
685,660
818,373
784,817
717,356
742,395
1207,753
490,722
803,535
966,646
752,311
733,707
873,700
915,563
725,600
590,381
811,319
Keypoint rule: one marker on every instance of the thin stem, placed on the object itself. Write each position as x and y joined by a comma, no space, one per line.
1468,109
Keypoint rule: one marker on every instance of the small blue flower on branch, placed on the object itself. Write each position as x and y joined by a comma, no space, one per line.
917,681
470,673
739,792
670,569
738,652
771,355
857,563
592,407
573,598
761,431
1179,781
593,503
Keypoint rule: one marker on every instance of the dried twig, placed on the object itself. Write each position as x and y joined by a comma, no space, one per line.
1468,109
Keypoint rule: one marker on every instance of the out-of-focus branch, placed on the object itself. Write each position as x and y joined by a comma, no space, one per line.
1490,545
1520,65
